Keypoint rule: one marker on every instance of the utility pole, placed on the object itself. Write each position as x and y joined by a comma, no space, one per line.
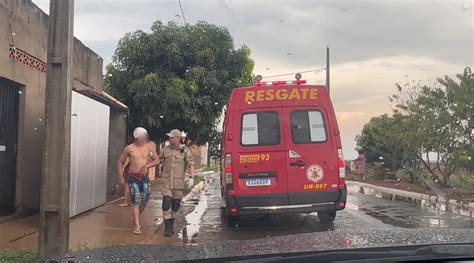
327,70
54,208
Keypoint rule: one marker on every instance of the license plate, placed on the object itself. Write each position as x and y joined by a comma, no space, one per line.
258,182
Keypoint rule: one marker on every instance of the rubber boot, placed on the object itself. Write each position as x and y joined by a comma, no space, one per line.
167,232
172,225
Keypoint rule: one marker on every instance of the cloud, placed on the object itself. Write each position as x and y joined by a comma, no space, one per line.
374,44
355,30
360,90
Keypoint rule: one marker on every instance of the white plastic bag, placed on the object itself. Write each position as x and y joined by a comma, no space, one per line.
189,182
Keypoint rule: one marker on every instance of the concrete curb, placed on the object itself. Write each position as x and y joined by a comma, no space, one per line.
14,216
431,202
197,189
206,172
114,200
393,191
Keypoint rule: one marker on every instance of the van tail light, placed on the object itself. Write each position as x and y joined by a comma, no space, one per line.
228,169
342,169
342,166
342,184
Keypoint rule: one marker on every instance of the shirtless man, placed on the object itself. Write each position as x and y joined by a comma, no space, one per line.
123,180
141,158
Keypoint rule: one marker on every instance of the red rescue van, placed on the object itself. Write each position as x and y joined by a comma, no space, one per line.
281,152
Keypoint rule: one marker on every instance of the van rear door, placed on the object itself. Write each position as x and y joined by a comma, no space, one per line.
259,177
312,164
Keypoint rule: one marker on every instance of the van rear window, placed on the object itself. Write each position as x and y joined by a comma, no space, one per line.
307,127
260,128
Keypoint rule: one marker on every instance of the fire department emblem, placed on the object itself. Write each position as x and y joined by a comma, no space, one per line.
315,173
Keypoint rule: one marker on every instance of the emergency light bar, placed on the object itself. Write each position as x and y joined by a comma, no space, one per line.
275,83
258,81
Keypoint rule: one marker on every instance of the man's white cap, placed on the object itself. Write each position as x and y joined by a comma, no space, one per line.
183,134
139,132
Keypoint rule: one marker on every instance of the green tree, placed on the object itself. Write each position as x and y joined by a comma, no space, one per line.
409,131
460,106
213,146
177,77
440,117
386,139
215,141
445,113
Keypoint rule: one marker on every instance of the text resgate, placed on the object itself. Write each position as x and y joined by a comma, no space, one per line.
281,94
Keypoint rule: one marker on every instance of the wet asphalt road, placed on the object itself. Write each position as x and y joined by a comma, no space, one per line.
362,211
367,221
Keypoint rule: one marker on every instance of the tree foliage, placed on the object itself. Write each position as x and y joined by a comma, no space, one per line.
177,77
386,139
214,142
436,119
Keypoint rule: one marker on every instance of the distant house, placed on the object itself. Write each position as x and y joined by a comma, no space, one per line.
99,122
199,153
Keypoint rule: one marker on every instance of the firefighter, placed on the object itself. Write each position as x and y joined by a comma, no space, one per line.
176,159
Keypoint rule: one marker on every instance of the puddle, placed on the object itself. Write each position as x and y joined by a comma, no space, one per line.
432,203
405,214
193,219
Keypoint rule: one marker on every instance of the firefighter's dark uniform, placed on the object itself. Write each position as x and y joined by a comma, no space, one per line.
171,182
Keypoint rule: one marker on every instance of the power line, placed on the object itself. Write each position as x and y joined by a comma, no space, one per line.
182,12
10,24
316,71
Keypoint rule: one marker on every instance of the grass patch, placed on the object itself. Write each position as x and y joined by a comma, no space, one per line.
213,168
22,255
198,179
376,171
462,179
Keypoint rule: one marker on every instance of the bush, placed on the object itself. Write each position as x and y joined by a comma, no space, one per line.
375,171
407,176
462,179
349,174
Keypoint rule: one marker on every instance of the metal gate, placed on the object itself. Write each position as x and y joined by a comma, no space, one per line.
9,100
89,149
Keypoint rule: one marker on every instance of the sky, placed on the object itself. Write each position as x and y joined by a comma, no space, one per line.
374,44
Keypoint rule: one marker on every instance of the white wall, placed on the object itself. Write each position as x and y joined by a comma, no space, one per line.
89,147
204,154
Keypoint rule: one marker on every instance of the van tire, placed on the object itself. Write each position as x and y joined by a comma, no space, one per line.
231,220
327,217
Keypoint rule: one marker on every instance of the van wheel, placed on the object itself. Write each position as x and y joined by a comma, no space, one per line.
327,217
231,220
